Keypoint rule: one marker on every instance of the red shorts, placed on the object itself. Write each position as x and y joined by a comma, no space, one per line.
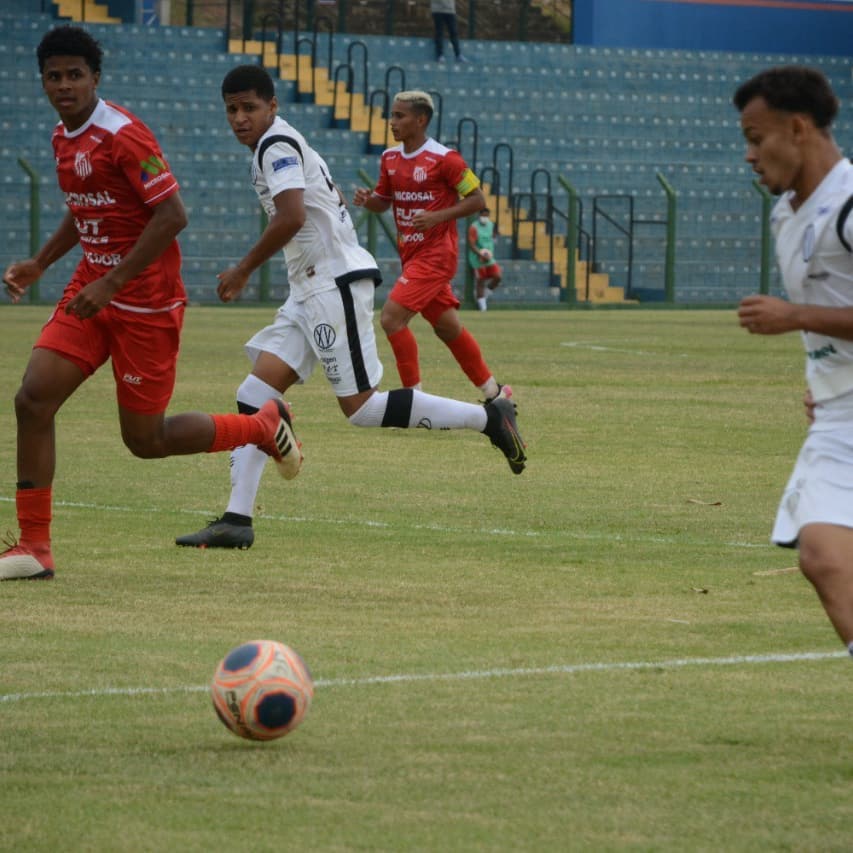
419,290
143,348
491,271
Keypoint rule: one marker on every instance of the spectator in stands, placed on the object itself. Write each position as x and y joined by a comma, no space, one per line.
430,187
481,257
786,118
444,18
125,301
327,319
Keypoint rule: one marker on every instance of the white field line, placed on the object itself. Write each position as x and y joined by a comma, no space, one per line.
579,535
470,675
605,348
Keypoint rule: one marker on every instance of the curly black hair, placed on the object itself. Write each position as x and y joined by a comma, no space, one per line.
792,89
70,41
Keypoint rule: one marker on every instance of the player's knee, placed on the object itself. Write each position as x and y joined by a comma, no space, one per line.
820,563
29,409
144,446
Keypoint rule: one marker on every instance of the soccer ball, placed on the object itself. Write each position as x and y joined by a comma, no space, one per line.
262,690
485,255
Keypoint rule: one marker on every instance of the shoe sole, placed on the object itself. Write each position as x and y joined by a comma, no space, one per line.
290,454
240,546
23,567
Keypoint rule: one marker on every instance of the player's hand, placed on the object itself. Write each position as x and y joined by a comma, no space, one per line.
423,220
809,403
90,299
360,196
19,276
231,283
766,315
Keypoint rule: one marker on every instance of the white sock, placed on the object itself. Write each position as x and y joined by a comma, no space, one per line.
490,388
405,407
481,303
247,462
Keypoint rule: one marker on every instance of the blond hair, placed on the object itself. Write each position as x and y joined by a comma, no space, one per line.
418,100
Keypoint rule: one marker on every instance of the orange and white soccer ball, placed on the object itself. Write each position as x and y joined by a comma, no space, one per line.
262,690
485,255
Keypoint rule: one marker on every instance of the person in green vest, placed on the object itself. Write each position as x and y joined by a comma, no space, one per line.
481,257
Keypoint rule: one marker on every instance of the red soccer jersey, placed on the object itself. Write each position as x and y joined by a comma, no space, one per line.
113,173
431,178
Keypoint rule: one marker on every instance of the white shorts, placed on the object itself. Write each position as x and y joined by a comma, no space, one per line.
333,328
820,490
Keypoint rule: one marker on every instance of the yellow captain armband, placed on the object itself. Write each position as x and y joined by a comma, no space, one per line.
468,183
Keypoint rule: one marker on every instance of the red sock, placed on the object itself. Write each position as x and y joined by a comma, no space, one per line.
235,430
466,351
35,510
405,348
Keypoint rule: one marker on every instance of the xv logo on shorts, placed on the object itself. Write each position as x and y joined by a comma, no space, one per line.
324,336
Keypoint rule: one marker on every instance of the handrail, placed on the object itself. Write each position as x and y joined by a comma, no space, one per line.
35,218
766,202
438,103
472,160
313,57
402,74
349,87
669,271
505,146
269,17
350,49
330,46
571,240
383,93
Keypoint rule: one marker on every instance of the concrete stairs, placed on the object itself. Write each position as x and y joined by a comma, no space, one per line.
533,238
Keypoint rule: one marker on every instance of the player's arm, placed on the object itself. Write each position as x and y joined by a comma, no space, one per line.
167,220
769,315
368,199
282,227
473,238
21,274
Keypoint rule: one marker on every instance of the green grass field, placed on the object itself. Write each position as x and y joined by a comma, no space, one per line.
604,653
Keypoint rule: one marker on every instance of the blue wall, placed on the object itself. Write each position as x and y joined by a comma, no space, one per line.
779,26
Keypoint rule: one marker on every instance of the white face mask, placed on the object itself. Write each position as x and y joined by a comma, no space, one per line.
484,220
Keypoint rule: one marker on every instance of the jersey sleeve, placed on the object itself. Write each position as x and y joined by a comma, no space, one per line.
283,168
137,153
383,186
458,175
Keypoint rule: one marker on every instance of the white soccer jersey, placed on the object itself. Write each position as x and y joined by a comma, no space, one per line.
817,269
325,252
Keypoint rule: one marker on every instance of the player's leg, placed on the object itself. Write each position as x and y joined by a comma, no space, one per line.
405,408
49,380
480,283
495,277
826,559
269,380
144,351
353,368
438,25
66,352
443,316
394,319
453,34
